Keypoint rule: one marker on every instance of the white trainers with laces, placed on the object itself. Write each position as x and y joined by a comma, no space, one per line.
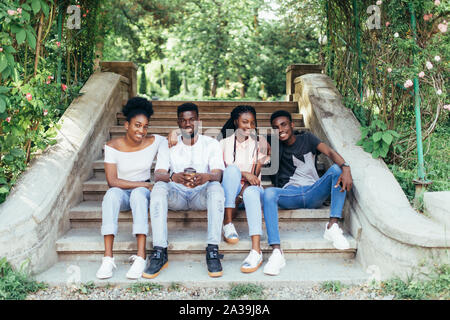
137,268
335,234
106,269
275,264
252,262
230,234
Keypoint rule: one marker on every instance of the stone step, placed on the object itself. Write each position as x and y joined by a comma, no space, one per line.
87,243
88,214
298,272
226,106
209,119
211,131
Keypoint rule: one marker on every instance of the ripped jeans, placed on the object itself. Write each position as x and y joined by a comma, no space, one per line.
174,196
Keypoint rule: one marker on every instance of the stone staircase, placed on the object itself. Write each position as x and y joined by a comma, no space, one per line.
310,258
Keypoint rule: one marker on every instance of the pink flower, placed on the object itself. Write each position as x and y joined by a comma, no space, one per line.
389,70
63,87
19,10
58,44
429,65
1,49
48,82
11,12
421,74
437,2
408,83
427,17
442,27
45,112
84,15
379,2
447,107
29,96
387,24
8,119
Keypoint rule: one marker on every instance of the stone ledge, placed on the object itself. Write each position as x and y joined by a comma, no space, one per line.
437,205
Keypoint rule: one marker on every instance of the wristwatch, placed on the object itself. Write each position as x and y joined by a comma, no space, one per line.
345,164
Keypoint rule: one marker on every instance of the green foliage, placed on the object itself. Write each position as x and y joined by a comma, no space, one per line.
435,285
86,288
250,290
143,81
33,92
377,139
175,83
145,287
332,286
16,284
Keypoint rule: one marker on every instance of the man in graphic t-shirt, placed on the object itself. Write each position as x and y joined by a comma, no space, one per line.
298,185
187,178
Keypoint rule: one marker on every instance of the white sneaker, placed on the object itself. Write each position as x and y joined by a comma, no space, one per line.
230,234
252,262
275,264
106,269
137,267
335,234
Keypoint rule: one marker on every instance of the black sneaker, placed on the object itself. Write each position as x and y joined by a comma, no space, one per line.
213,261
158,261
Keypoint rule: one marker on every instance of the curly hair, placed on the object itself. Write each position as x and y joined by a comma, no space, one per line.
136,106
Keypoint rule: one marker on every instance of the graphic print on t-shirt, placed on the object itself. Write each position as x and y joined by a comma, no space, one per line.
297,161
305,172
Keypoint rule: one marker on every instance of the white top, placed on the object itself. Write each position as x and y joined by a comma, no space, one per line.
246,155
204,156
135,165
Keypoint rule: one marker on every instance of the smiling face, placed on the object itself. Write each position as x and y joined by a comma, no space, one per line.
245,124
137,128
285,128
188,123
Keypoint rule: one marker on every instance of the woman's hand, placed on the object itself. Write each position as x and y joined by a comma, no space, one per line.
251,178
172,137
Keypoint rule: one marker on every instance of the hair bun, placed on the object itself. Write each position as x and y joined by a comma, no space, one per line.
136,106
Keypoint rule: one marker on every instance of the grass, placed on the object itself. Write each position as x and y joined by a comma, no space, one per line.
16,284
432,286
86,288
145,287
332,286
250,290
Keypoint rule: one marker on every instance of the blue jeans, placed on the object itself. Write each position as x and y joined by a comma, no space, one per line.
116,200
311,197
252,198
174,196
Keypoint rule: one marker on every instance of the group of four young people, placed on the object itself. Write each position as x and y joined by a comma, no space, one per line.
196,172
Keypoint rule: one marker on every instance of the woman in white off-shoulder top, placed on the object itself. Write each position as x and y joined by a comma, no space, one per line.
128,162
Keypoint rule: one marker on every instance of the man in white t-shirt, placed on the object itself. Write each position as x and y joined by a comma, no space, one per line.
187,178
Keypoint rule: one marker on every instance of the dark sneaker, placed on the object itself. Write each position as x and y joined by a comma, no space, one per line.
213,261
158,261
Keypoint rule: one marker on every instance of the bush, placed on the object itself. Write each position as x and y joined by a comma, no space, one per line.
16,284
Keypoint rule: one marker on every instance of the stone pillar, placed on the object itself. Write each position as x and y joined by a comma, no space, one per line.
125,68
296,70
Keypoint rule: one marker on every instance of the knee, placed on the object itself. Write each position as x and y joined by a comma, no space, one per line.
232,171
335,170
160,189
270,194
251,192
215,187
113,195
139,194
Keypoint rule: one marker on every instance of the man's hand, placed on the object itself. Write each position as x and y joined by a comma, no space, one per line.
181,178
345,179
251,178
200,178
172,137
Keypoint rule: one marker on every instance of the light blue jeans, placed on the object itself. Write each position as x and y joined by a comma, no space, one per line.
174,196
116,200
252,198
311,197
